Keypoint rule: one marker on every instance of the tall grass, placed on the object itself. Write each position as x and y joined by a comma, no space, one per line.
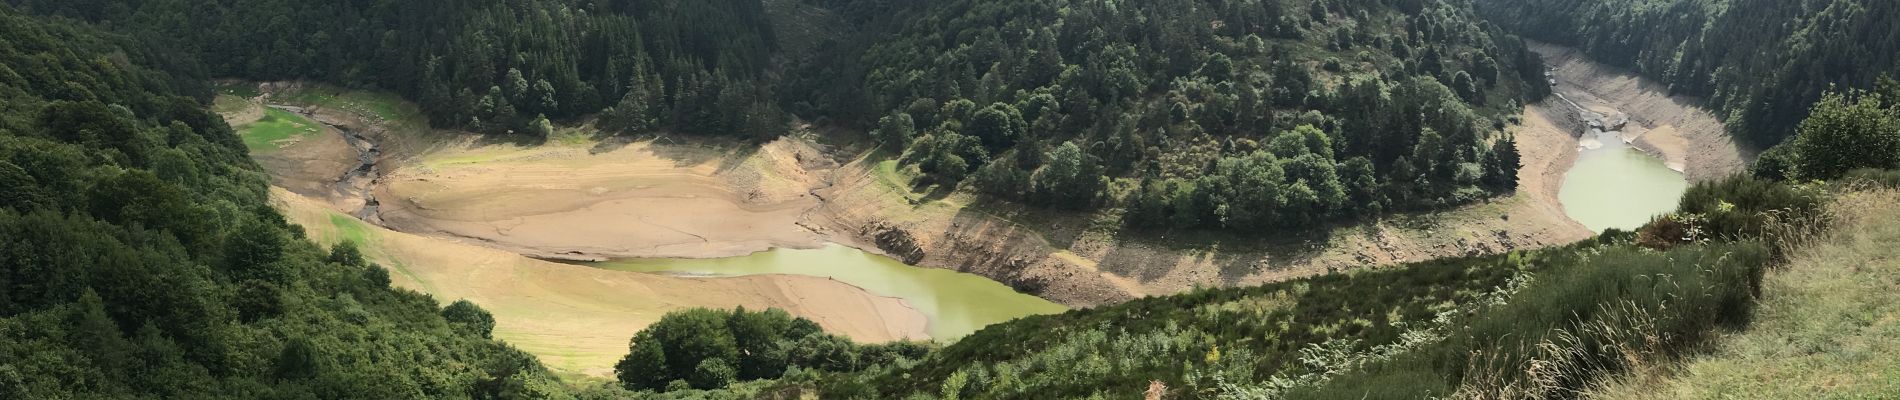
1603,310
1824,327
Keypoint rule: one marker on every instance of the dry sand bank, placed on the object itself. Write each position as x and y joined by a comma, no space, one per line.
579,319
634,200
1687,137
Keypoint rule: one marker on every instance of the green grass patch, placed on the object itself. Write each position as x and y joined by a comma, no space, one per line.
352,230
277,126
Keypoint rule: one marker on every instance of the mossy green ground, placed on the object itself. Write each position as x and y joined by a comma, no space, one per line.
276,129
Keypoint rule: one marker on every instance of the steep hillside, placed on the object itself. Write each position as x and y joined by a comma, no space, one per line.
139,258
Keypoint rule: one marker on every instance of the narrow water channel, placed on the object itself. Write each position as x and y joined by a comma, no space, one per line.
956,303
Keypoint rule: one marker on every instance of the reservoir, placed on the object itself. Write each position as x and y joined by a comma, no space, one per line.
956,303
1614,185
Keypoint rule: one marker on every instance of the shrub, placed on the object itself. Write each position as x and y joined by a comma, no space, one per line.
1876,177
1740,207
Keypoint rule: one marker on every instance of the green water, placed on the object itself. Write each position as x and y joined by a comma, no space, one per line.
956,303
1620,187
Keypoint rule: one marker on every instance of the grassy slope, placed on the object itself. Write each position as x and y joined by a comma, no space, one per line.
1828,326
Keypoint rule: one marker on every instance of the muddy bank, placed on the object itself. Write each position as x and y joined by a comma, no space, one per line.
1674,128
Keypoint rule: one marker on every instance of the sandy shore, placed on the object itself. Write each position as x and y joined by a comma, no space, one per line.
1687,137
1548,147
578,318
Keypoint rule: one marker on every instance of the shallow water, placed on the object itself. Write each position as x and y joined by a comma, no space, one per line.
956,303
1618,186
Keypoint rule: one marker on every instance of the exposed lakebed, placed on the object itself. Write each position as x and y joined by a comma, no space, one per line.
957,304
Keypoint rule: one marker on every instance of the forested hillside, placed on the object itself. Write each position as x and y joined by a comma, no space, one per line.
139,257
1758,63
1219,114
484,65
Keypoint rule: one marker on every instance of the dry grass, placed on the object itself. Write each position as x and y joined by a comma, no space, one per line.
1828,325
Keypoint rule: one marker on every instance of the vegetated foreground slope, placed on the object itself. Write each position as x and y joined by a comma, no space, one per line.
1758,63
1825,326
139,258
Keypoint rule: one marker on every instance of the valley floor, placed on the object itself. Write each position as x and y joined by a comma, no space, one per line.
577,319
466,214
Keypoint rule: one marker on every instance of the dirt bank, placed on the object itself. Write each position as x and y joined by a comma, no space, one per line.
579,319
1687,137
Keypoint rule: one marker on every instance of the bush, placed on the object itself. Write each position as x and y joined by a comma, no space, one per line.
470,318
1741,207
1846,132
711,349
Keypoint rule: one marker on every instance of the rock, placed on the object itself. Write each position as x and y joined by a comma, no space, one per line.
897,242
